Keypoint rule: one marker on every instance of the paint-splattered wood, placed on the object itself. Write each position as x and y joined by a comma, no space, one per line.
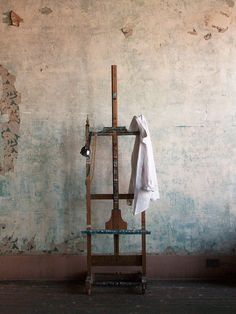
115,231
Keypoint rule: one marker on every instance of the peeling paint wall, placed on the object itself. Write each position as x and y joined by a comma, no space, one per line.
176,65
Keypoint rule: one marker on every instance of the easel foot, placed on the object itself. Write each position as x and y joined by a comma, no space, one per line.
88,285
143,285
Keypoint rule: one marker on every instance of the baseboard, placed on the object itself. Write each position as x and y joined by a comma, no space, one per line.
73,267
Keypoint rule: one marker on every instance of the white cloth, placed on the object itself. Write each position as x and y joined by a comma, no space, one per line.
143,181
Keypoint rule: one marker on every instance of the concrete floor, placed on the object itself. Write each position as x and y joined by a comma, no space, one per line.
161,297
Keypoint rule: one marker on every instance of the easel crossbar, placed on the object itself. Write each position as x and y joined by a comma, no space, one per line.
121,260
110,196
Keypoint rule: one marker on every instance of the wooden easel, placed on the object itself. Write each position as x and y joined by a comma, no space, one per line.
116,225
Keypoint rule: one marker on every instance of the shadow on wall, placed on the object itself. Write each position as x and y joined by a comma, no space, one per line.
71,188
58,188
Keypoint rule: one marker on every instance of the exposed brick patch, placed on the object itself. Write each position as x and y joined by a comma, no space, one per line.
9,130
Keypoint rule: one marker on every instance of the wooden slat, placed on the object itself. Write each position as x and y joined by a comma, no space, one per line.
110,196
120,260
119,133
117,278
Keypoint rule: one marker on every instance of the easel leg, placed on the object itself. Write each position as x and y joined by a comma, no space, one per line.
88,282
143,227
116,244
89,253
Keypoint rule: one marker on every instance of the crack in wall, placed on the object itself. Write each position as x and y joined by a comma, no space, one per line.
9,128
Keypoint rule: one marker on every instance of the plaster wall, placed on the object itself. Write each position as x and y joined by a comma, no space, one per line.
176,65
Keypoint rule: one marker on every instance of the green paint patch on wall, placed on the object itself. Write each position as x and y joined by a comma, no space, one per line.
4,188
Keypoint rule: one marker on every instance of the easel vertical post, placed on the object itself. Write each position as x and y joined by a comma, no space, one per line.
114,96
115,152
115,139
88,200
116,221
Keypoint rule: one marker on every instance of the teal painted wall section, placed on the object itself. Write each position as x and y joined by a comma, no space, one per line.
176,65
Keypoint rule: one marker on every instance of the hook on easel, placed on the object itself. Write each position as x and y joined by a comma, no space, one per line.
85,150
